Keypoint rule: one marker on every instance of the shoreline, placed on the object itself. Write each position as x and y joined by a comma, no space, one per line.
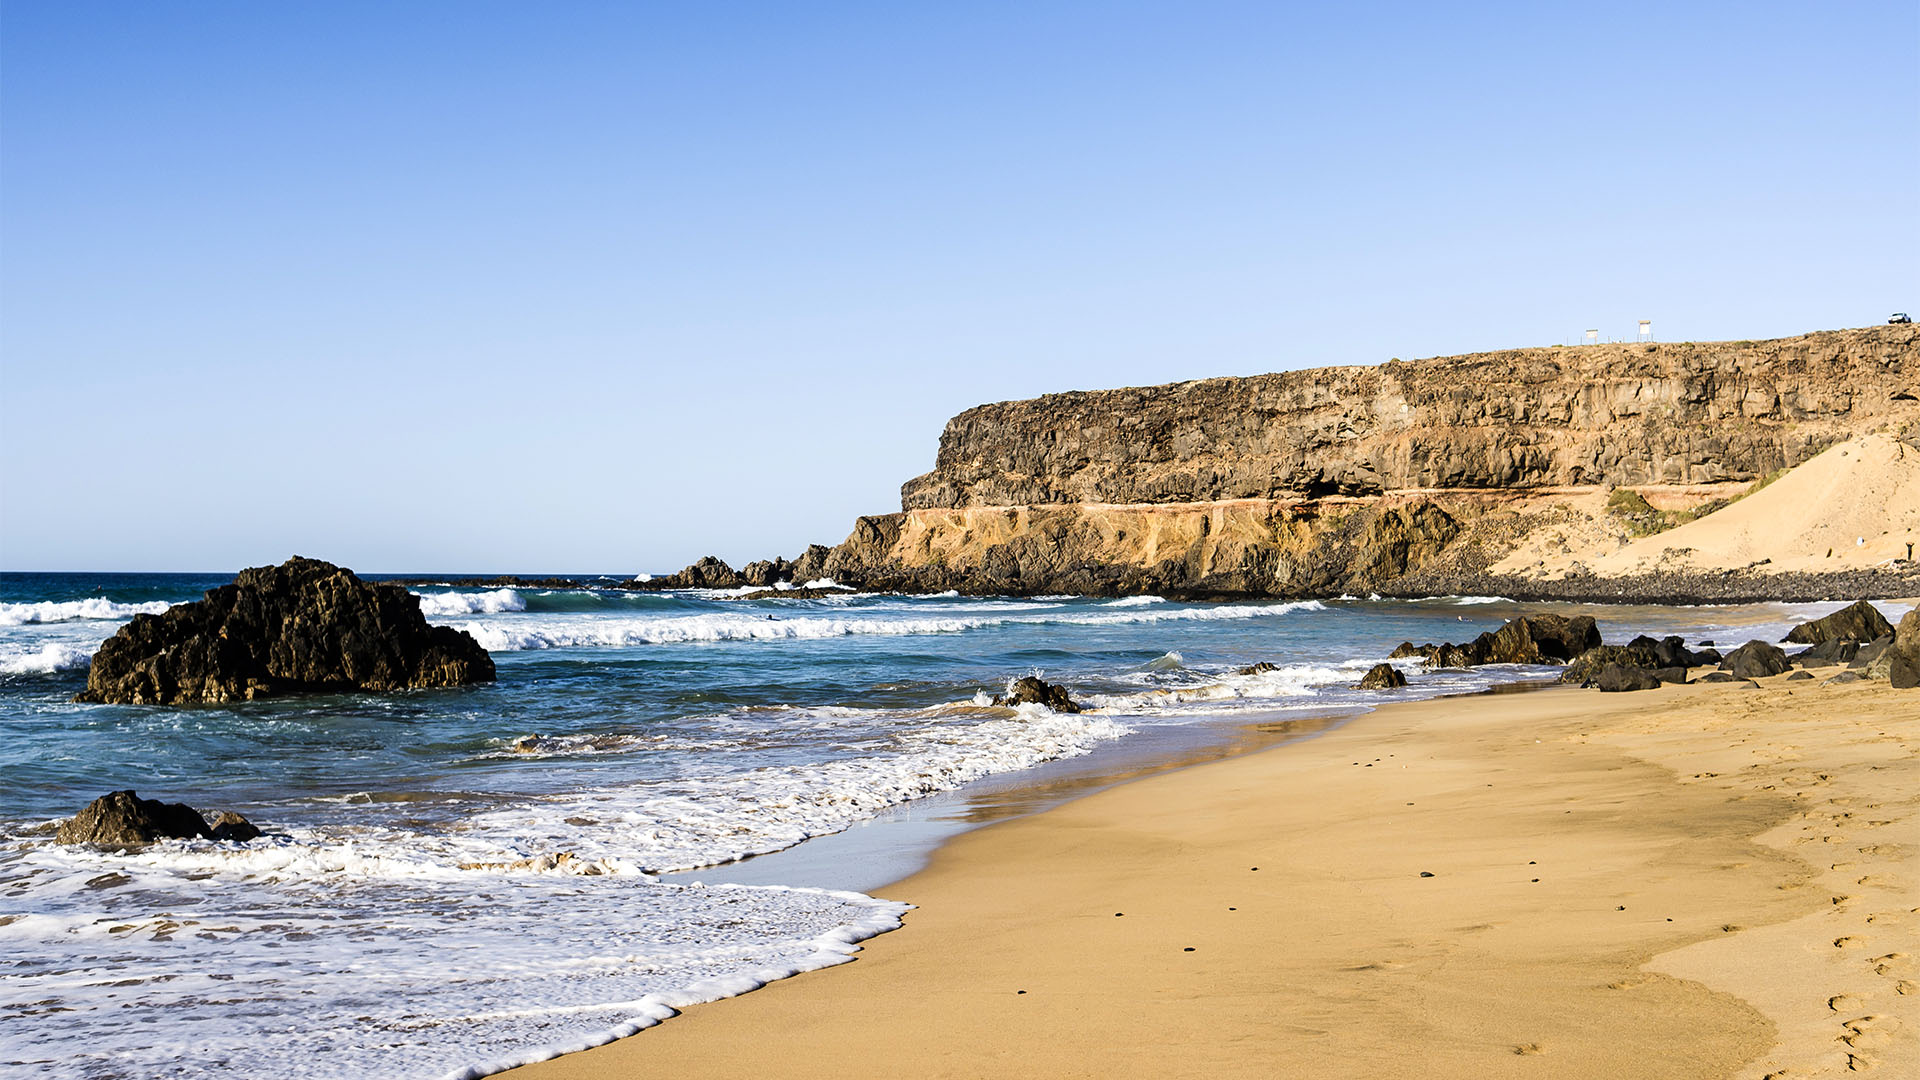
1343,960
1691,588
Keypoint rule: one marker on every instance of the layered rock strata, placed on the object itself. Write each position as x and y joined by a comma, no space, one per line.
1410,478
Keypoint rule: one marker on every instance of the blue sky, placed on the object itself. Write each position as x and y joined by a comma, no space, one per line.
606,287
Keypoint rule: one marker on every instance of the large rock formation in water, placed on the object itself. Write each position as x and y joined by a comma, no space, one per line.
302,626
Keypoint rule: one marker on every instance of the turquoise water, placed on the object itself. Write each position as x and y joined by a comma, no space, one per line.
458,880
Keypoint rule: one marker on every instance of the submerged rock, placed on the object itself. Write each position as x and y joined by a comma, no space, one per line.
231,826
1859,621
1032,691
1382,677
1755,660
124,819
303,626
1260,668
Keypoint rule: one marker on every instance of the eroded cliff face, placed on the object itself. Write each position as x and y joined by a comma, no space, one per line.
1691,413
1409,478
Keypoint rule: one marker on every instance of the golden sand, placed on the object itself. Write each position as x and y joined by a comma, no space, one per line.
1697,881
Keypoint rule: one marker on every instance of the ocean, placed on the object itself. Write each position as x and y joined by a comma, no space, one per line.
457,881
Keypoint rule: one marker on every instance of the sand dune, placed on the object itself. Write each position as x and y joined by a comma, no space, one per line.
1856,504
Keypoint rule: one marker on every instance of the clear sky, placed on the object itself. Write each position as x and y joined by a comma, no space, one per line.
609,286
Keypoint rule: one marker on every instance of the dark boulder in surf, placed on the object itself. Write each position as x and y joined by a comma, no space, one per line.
124,819
304,626
1032,691
1382,677
232,826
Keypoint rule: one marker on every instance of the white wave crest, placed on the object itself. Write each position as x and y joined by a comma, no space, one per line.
53,656
670,630
480,603
1135,601
51,611
1290,681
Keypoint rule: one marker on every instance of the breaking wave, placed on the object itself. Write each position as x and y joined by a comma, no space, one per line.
53,611
53,656
496,637
475,603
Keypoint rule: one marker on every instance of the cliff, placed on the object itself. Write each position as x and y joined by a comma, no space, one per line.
1689,413
1410,478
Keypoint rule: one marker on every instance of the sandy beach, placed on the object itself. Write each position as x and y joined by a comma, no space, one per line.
1698,881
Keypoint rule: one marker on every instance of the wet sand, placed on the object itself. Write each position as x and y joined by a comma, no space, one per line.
1691,882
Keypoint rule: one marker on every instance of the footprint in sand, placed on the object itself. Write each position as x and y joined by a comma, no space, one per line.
1845,1002
1866,1033
1847,943
1529,1048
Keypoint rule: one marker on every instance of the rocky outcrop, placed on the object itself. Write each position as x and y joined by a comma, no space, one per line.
1032,691
1382,677
124,819
1407,479
302,626
1858,621
1529,639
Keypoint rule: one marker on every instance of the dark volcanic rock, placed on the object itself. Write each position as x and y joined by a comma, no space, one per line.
1614,679
1842,678
1408,648
1717,676
1031,691
1859,621
1830,651
1800,675
1260,668
1900,662
765,572
231,826
124,819
1587,666
1529,639
1382,677
1755,660
1675,675
302,626
1871,651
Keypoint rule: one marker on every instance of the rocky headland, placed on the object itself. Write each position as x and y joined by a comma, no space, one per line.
1411,478
303,626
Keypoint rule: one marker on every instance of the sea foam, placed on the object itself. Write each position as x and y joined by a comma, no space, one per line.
51,657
